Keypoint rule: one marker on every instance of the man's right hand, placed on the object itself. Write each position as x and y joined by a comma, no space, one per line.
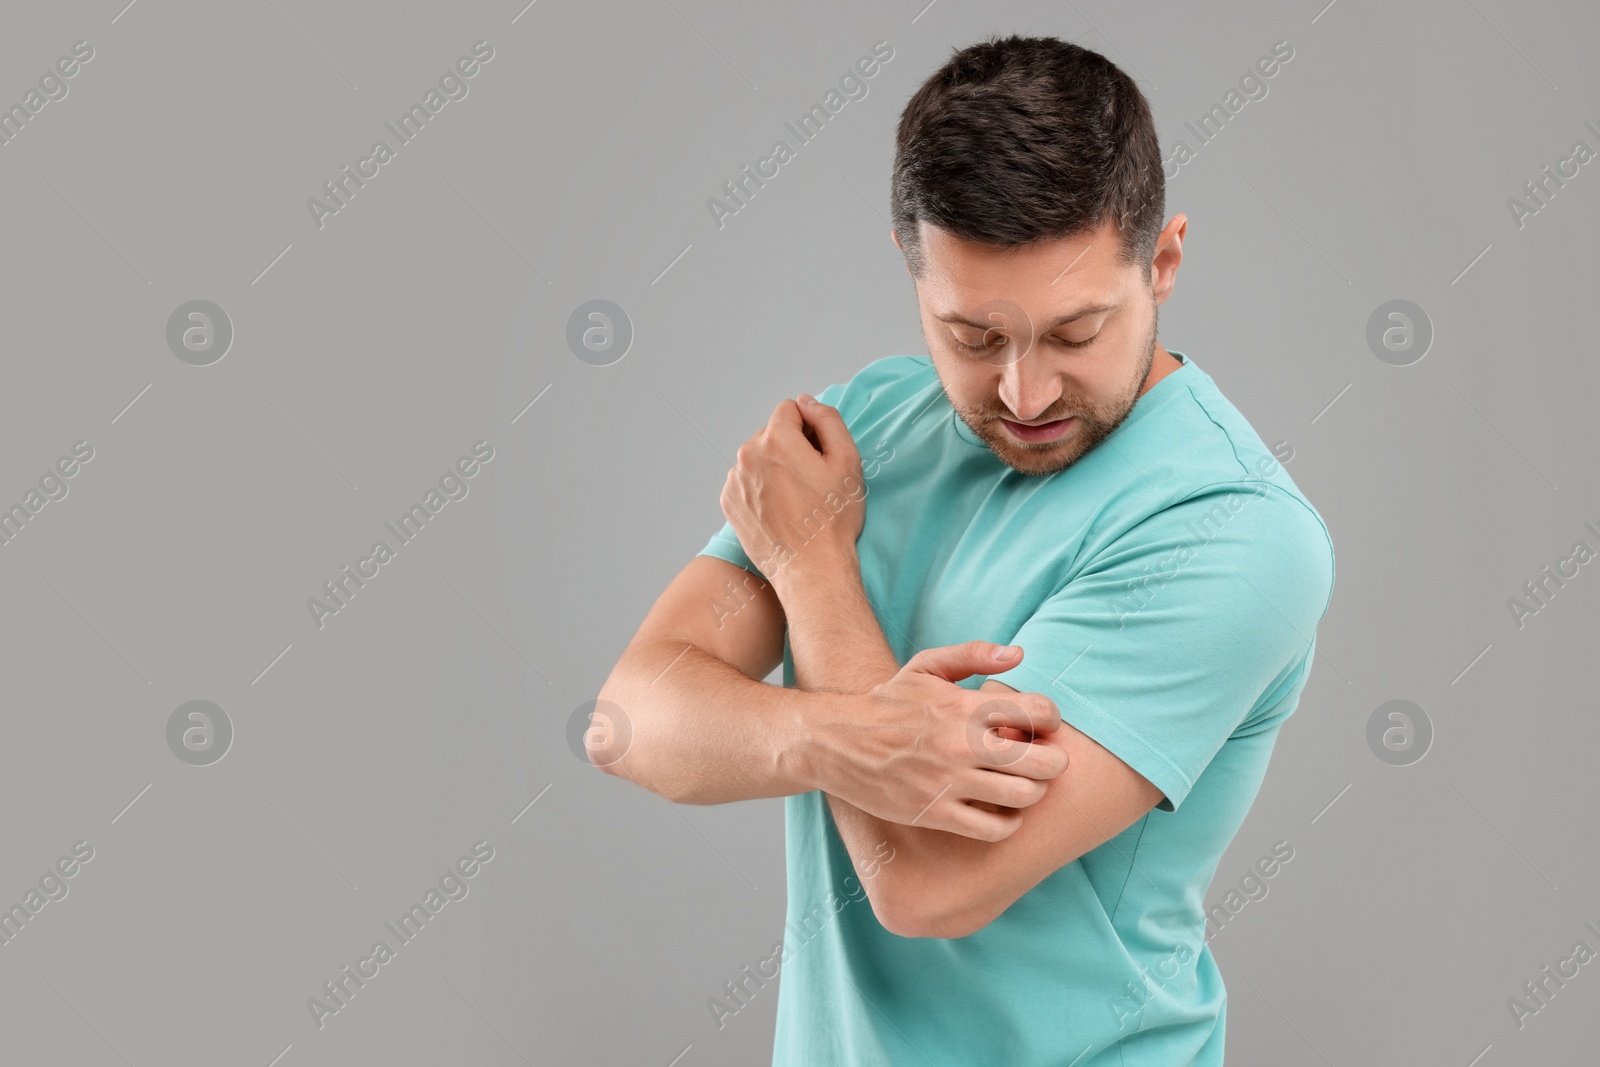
920,750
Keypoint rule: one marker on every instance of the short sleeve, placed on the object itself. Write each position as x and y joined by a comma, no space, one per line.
724,544
1181,630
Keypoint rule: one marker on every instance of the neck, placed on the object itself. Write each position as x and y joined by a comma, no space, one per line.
1162,364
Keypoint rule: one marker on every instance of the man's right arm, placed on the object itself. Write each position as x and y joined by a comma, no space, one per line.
702,726
699,726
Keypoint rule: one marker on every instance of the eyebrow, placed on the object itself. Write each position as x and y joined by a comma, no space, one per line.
1092,309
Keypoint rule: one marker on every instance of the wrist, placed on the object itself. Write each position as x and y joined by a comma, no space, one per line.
814,565
809,759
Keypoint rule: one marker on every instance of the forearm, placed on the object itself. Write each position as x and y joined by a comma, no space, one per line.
834,636
698,731
836,643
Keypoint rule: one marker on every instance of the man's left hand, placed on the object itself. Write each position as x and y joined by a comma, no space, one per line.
795,495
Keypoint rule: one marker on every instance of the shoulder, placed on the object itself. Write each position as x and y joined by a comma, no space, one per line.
882,384
879,387
1203,475
1242,460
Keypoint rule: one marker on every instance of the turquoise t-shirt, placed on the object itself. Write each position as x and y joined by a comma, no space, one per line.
1166,589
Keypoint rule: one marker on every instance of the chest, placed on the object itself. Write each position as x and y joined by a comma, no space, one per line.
963,558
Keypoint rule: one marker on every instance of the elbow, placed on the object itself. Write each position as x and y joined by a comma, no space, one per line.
607,741
949,926
909,922
616,756
923,914
611,743
613,740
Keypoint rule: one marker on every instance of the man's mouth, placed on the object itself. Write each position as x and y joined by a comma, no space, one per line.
1048,431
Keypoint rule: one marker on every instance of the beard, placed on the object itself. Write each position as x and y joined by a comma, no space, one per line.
1096,420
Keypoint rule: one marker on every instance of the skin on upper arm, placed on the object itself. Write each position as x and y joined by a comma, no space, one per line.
1095,799
725,610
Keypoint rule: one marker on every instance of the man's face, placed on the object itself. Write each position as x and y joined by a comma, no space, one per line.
1055,330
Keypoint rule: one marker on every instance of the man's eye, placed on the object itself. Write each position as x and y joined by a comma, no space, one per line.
1000,342
985,347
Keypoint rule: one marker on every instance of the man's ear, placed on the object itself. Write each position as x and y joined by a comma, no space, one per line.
894,236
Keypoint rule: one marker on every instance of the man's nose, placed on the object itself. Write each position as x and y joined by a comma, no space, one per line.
1026,385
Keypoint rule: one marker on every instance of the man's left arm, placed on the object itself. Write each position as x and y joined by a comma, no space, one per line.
941,884
1155,653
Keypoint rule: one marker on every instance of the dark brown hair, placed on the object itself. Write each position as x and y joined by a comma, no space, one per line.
1018,139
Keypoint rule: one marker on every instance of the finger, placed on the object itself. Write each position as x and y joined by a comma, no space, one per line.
974,819
982,824
787,413
955,662
1040,760
1008,790
1027,713
1026,759
832,434
788,421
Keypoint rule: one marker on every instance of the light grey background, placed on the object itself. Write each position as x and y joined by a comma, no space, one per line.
427,314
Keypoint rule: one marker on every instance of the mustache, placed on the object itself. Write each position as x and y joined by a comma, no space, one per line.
1003,414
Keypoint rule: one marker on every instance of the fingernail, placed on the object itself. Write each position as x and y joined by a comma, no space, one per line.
806,398
1005,651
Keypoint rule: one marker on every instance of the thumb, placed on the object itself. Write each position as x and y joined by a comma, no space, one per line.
955,662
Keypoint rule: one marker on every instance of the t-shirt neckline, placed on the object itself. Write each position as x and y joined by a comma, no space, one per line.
1151,399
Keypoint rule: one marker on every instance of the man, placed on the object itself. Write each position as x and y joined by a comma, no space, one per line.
1035,826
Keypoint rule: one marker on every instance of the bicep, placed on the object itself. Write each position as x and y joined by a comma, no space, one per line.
959,885
1182,628
723,609
1096,798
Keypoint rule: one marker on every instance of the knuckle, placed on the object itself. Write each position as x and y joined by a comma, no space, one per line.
981,829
